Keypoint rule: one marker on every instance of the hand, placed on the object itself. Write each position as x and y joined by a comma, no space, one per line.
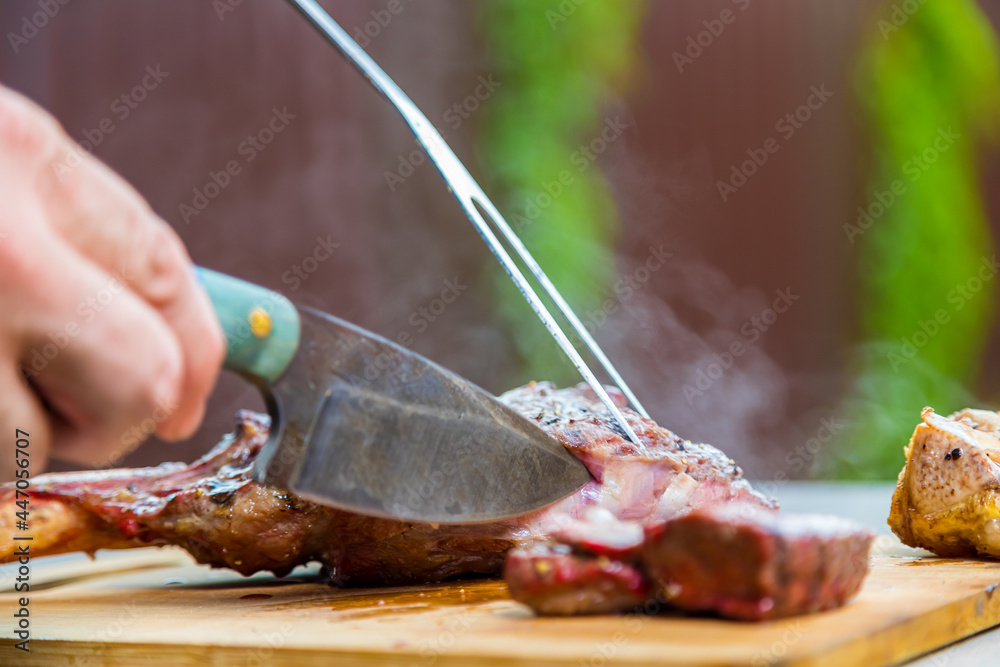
99,307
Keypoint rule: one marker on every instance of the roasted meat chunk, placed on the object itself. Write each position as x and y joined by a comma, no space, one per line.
553,579
736,560
216,511
590,565
741,562
947,498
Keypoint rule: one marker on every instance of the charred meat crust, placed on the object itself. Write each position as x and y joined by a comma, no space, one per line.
216,511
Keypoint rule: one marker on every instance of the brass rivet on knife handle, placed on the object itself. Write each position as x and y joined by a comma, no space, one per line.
469,195
260,322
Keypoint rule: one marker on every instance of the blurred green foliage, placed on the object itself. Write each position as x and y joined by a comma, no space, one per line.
929,84
558,63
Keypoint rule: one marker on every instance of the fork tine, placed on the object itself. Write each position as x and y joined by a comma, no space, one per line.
550,289
468,193
469,205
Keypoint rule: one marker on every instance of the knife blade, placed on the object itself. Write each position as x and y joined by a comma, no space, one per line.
365,425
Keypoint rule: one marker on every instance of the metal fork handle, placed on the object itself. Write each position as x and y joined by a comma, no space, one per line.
468,193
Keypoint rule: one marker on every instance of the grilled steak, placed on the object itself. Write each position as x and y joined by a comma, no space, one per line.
737,560
213,509
946,499
744,563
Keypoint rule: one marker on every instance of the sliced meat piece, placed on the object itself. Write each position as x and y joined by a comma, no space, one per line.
554,579
744,563
590,566
946,499
739,561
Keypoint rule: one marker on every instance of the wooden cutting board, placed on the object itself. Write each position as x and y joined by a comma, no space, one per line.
156,607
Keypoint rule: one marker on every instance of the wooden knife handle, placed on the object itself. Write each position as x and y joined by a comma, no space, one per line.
262,327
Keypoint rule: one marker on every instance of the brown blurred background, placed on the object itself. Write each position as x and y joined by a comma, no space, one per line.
323,177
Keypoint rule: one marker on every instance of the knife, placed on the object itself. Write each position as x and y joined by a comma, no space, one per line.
365,425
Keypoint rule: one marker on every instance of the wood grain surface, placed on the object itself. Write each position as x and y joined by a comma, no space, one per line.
156,607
